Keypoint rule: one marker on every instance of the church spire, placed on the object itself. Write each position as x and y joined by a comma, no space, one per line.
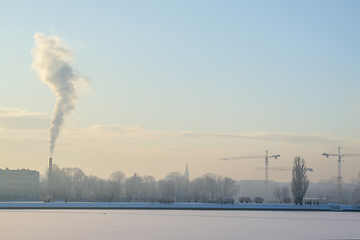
186,174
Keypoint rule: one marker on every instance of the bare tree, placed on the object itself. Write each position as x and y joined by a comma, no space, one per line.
285,194
300,181
91,188
229,187
66,183
118,178
277,194
167,188
356,193
149,192
133,187
57,177
179,184
107,189
78,182
197,189
210,181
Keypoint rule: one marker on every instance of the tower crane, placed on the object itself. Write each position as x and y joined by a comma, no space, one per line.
339,155
250,156
283,169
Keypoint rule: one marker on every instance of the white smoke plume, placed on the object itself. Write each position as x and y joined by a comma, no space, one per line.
52,61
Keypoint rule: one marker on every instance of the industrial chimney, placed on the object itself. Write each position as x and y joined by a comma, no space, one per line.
50,183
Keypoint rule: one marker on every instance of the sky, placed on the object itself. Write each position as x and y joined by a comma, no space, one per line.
186,82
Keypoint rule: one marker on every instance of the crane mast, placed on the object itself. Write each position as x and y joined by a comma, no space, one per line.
266,175
266,156
339,178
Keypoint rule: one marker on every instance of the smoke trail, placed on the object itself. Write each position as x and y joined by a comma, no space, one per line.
52,61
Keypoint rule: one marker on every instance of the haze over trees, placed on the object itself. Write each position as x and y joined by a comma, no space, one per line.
72,184
300,181
282,194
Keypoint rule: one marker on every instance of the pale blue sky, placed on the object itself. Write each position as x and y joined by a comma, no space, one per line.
218,67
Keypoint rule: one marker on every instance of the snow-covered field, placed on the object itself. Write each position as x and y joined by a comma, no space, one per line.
175,224
181,206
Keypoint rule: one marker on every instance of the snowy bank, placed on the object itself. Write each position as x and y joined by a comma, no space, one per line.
178,206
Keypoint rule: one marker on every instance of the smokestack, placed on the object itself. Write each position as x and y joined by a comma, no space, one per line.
53,63
50,173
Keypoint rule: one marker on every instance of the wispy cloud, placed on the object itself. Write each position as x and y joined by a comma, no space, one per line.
18,119
15,112
120,132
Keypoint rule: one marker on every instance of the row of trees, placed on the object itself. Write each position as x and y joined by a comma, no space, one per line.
356,193
299,184
72,184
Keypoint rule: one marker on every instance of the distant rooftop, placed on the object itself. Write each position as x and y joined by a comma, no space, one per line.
7,169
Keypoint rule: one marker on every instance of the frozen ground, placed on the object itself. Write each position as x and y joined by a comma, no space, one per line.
182,206
175,224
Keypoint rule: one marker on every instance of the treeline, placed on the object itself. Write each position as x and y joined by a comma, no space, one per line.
72,184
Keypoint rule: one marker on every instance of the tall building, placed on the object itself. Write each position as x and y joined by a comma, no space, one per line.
186,174
19,185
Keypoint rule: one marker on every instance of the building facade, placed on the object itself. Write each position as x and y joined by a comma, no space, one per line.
19,185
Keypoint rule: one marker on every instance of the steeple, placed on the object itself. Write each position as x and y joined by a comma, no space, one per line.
186,174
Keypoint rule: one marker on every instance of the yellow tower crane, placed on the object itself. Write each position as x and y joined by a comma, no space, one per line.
283,169
340,155
254,155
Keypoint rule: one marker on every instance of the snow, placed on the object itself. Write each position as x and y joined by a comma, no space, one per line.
180,206
175,224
